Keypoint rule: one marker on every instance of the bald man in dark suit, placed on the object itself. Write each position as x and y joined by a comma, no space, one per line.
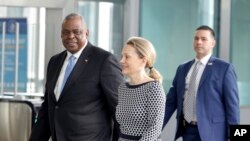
83,108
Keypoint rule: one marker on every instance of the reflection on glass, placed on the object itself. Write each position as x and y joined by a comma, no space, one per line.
240,46
105,23
34,52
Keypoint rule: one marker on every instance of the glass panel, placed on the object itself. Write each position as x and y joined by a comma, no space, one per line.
240,46
30,70
172,35
105,23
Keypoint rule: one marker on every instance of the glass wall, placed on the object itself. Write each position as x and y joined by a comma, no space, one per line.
105,22
240,46
170,25
28,75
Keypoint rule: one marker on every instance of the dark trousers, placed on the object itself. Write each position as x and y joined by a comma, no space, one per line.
191,133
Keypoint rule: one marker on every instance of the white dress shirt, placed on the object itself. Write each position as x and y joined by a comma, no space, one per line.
58,87
204,62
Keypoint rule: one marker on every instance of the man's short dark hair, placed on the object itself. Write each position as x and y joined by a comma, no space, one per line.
205,27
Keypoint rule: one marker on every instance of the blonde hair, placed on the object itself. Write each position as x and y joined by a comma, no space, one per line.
145,49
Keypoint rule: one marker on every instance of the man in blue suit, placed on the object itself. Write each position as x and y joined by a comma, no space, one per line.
207,108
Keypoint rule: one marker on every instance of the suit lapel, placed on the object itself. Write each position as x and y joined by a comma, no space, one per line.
81,63
207,71
57,71
186,69
188,66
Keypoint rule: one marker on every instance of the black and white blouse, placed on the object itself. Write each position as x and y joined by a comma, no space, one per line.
140,111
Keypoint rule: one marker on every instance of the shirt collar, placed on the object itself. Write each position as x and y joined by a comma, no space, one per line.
205,59
77,54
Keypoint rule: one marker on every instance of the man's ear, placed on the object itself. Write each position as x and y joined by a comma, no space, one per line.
87,33
214,43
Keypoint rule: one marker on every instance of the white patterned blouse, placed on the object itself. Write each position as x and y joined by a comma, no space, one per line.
140,111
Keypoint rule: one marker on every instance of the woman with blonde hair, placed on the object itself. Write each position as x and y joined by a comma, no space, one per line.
141,99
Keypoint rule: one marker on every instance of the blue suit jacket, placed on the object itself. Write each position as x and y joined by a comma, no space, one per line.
217,100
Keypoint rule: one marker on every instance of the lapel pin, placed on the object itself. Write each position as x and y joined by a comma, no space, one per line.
86,60
210,63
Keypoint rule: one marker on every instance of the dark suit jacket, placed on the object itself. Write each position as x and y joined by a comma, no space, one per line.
87,103
217,100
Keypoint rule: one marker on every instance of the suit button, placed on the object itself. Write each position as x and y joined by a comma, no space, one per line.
56,107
